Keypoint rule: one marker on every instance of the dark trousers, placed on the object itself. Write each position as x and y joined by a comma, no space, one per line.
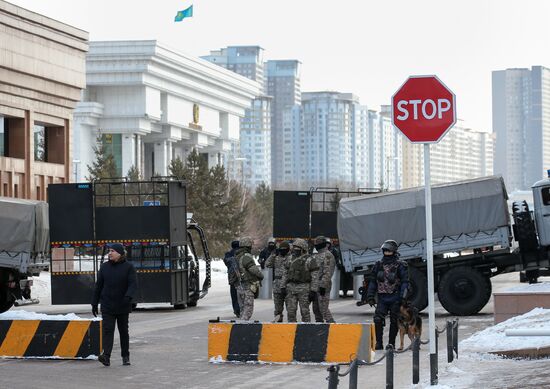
235,300
121,321
386,303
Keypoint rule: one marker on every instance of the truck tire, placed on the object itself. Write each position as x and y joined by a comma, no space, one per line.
6,300
464,291
418,289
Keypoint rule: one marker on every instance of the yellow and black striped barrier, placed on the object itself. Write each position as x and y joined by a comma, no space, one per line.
68,339
289,342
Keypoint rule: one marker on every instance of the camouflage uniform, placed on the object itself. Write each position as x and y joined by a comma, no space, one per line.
277,263
327,264
249,277
301,280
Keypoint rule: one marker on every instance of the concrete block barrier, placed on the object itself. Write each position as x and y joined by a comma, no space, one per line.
66,339
289,342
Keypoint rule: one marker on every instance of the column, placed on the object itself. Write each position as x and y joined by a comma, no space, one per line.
128,153
160,158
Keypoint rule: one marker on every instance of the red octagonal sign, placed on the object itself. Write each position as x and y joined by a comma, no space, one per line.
423,109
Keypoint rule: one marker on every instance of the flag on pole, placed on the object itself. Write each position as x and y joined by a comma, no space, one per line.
186,13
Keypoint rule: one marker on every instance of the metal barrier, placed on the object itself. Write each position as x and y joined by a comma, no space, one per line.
451,328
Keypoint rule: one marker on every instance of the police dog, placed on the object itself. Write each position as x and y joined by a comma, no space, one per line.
409,322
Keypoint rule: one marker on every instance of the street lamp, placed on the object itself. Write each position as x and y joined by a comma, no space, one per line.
242,159
76,162
388,159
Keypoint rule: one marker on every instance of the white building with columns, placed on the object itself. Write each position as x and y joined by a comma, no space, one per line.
150,104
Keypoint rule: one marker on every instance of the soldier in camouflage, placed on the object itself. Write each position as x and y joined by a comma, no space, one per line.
250,277
326,263
277,261
300,281
390,280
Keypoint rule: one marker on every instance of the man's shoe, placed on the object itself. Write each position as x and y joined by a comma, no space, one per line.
104,359
126,361
379,346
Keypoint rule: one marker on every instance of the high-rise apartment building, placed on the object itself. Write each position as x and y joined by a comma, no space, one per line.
521,123
385,151
462,154
283,84
250,159
328,142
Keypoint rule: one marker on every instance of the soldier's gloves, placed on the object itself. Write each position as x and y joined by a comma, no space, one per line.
94,310
371,301
322,291
312,296
283,291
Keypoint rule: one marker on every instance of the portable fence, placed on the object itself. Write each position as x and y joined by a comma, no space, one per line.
451,328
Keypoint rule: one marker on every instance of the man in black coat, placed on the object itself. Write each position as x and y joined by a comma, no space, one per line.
115,289
232,270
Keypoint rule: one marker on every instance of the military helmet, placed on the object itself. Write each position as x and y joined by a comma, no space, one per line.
390,245
300,243
320,240
271,240
327,239
246,241
284,245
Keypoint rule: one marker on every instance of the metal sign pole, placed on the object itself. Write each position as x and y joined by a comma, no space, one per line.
430,265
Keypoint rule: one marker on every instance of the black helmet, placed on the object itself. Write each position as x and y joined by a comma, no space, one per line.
390,245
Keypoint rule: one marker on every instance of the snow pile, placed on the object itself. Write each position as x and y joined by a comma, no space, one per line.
494,338
25,315
218,270
40,288
540,287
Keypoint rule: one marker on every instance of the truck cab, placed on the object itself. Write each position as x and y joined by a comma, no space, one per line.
541,200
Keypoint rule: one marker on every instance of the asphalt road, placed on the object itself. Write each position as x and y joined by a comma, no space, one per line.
169,349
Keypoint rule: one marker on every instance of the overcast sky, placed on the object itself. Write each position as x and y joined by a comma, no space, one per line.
361,46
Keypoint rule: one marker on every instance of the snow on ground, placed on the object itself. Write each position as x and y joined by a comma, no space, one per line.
495,339
476,367
530,288
25,315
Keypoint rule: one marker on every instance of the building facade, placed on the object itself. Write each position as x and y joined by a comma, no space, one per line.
250,159
521,123
283,84
462,154
42,73
149,104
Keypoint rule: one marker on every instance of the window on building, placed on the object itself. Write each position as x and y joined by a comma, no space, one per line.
3,136
40,148
113,146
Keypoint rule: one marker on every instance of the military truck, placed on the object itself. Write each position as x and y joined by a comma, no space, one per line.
474,238
24,248
148,217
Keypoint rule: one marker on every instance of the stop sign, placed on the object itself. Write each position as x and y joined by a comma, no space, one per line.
423,109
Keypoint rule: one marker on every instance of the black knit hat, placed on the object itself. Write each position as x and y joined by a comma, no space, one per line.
117,247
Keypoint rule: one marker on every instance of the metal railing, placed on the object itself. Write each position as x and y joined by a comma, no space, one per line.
451,328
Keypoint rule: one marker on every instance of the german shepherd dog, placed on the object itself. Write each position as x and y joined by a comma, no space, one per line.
409,322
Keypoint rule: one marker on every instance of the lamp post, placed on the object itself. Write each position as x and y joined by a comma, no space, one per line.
76,162
388,159
242,160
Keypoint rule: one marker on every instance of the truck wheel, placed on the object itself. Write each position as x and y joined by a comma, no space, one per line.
418,289
464,291
6,302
